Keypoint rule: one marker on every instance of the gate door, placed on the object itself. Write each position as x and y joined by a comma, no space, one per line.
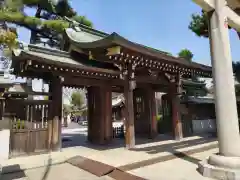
29,127
142,125
165,124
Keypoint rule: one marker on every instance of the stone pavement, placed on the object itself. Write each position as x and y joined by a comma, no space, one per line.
176,169
162,158
63,171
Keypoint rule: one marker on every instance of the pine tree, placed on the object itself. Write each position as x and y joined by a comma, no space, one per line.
48,23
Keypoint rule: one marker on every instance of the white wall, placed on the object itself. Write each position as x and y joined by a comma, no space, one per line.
4,140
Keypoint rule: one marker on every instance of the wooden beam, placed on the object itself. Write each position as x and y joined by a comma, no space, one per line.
82,81
145,79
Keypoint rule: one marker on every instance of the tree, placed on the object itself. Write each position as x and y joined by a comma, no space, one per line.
66,109
199,24
77,99
49,21
186,54
236,70
8,41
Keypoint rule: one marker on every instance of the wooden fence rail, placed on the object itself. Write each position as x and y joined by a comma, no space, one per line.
29,126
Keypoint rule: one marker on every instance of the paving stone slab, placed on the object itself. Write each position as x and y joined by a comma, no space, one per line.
117,174
97,168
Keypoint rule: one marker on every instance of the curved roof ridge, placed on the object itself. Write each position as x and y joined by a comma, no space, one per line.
108,40
51,51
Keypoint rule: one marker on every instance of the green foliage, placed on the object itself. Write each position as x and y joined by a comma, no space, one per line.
57,25
158,117
67,109
82,20
19,124
186,54
236,70
48,21
22,20
8,38
77,99
199,24
84,112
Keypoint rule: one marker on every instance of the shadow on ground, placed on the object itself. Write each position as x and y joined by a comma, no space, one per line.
78,137
170,147
173,148
18,174
14,172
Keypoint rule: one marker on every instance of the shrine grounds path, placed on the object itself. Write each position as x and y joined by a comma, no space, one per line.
163,158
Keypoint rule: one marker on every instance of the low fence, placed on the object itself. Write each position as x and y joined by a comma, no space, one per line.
118,132
204,126
29,126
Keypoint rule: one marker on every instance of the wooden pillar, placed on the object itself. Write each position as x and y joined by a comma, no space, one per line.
95,125
100,114
55,88
107,113
130,85
152,113
129,118
175,102
91,105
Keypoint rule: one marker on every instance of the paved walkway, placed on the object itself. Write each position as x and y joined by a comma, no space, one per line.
176,169
162,159
63,171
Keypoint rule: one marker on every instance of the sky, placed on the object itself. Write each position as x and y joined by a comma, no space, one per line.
161,24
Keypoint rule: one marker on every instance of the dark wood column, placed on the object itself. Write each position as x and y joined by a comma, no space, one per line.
106,105
100,114
152,116
130,85
175,102
145,112
55,125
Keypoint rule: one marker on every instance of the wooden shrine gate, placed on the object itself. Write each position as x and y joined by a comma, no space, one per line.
29,127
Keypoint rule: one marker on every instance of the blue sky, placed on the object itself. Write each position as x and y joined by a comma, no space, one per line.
162,24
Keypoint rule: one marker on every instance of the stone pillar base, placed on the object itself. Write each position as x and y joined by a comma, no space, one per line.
220,167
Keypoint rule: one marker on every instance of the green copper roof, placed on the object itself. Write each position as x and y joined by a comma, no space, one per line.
189,82
54,57
91,39
82,36
47,53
